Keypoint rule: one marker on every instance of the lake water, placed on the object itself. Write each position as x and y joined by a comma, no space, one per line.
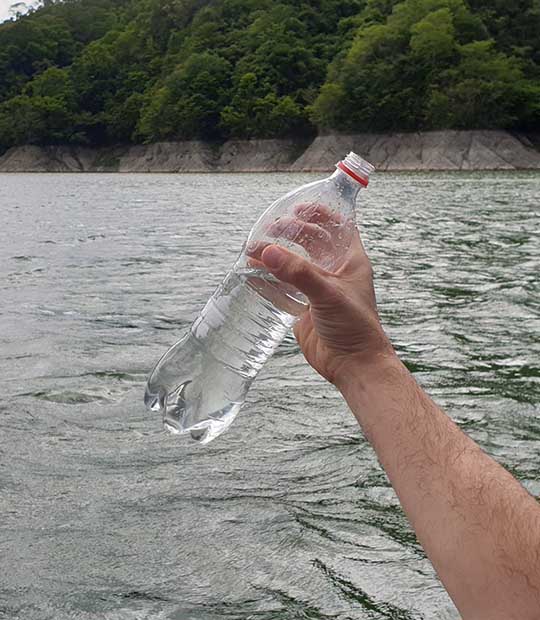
287,515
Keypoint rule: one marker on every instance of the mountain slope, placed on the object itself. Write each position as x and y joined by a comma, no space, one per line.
107,71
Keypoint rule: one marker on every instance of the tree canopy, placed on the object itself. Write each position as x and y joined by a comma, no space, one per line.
108,71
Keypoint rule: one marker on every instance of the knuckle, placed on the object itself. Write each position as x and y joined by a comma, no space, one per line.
300,271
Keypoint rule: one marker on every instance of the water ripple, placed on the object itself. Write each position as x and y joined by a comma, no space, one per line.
288,515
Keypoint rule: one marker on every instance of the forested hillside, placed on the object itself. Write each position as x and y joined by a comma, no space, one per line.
109,71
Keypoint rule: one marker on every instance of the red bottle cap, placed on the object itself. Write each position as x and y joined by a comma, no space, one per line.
357,168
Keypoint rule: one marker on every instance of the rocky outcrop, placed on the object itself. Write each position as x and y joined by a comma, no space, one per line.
48,159
192,156
436,150
260,155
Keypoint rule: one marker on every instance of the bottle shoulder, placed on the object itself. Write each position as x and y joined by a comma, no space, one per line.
323,193
308,189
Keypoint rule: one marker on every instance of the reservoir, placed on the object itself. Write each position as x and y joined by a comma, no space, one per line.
288,515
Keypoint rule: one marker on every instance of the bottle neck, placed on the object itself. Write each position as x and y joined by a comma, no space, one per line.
346,185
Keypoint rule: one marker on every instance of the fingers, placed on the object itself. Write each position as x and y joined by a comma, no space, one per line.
293,227
339,227
296,271
254,250
311,237
316,241
356,258
319,214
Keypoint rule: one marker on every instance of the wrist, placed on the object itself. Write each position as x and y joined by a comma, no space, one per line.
360,374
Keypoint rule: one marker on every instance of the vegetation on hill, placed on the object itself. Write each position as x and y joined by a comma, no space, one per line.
106,71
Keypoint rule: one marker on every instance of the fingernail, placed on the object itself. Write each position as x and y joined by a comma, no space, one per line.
273,257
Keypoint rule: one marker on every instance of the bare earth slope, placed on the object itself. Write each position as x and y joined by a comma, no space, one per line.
437,150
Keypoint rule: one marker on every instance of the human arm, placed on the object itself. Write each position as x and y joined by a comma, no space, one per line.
477,524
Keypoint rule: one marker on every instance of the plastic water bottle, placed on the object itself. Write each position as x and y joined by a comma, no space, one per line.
200,384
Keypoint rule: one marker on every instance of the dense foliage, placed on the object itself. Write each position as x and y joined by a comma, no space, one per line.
106,71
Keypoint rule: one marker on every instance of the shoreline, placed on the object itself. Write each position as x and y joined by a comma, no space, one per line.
448,150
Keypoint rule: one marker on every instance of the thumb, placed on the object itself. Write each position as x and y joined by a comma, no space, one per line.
295,270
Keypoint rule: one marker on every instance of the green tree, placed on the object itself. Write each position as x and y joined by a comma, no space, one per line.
432,38
255,113
29,46
34,120
105,71
190,102
419,69
53,82
483,90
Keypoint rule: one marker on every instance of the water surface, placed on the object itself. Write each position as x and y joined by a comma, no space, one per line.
287,515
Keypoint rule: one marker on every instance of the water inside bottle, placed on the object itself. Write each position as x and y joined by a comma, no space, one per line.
239,329
201,383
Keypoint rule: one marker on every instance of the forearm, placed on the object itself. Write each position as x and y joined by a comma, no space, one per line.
479,527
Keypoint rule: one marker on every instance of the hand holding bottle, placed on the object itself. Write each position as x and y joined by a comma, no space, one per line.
341,328
200,384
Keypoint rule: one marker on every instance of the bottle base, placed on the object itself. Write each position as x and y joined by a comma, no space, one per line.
177,419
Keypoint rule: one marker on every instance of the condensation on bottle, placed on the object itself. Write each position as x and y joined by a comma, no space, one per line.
201,383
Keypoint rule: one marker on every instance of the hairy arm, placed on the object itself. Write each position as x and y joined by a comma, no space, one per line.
478,525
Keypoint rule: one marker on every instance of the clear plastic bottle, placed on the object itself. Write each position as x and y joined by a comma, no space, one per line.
200,384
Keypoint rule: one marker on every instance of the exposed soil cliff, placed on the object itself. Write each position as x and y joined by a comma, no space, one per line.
437,150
